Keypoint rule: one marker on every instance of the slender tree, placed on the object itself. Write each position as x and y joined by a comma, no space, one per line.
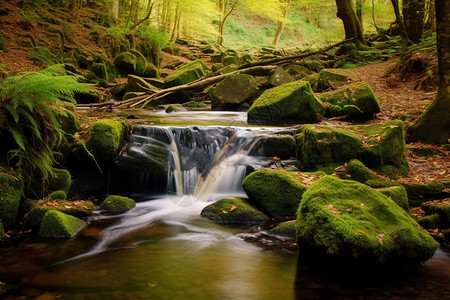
281,24
347,14
413,17
359,13
434,125
401,25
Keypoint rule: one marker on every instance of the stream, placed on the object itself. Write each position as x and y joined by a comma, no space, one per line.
163,249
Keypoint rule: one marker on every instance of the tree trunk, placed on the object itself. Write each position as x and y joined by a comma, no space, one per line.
413,17
430,23
399,20
281,25
434,125
352,26
115,10
224,19
359,13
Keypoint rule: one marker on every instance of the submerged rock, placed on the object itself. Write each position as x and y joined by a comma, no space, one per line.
187,73
57,224
117,204
276,192
289,103
344,218
234,211
233,91
287,229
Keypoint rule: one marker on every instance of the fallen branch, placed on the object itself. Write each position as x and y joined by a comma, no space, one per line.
281,60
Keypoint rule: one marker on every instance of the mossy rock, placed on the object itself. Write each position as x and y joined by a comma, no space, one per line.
398,195
431,222
236,211
281,146
119,90
323,145
384,148
99,69
346,49
194,104
11,192
287,229
60,181
356,100
59,225
293,102
151,71
279,76
419,193
334,78
125,63
138,84
276,192
141,62
231,60
57,195
312,64
233,91
346,219
442,210
356,170
106,139
117,204
189,72
229,69
36,209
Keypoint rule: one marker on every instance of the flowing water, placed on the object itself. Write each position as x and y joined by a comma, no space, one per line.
163,249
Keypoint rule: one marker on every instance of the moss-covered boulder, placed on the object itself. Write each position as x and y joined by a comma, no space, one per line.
384,148
36,209
151,71
117,204
293,102
106,139
356,101
287,229
11,192
60,180
57,195
333,78
279,76
441,209
398,195
281,146
138,84
324,145
430,222
356,170
59,225
419,193
233,91
235,211
344,218
125,62
275,192
189,72
141,62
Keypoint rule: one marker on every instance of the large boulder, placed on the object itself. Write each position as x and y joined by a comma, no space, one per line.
117,204
125,62
347,219
356,100
189,72
398,195
106,139
333,78
293,102
233,91
281,146
59,225
234,211
11,191
276,192
324,145
279,76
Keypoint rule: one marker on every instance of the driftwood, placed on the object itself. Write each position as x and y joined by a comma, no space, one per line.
281,60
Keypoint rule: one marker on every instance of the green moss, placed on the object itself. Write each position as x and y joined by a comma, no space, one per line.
235,89
356,170
11,192
125,63
119,90
346,49
151,71
322,145
276,192
344,218
36,209
57,195
281,146
187,73
442,210
287,229
333,78
141,62
60,181
377,184
234,211
2,231
430,222
117,204
58,224
293,102
385,148
419,193
106,139
447,234
356,100
398,194
425,152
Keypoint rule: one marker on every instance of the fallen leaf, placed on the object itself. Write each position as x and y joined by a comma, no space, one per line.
67,206
224,211
393,126
233,207
380,238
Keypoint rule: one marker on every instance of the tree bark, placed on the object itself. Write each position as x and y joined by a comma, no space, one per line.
434,125
225,16
359,13
281,25
413,17
115,10
399,20
352,26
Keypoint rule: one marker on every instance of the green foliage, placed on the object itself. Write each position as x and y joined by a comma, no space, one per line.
30,102
44,56
156,38
117,32
29,18
11,192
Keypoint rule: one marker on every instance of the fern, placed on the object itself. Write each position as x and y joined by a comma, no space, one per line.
30,102
153,36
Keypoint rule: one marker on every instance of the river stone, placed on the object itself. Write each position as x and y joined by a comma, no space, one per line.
286,229
235,211
355,100
324,145
59,225
11,191
279,76
276,192
125,62
347,219
233,90
187,73
293,102
281,146
117,204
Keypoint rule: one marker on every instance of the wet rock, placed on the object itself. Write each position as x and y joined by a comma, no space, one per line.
343,218
233,91
187,73
279,77
286,229
333,78
125,62
59,225
117,204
